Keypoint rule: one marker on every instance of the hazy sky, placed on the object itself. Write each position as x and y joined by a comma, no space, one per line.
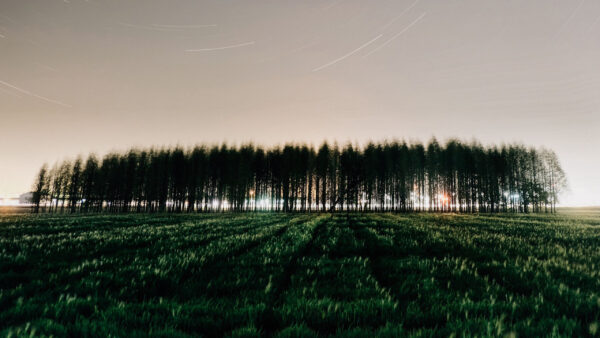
79,76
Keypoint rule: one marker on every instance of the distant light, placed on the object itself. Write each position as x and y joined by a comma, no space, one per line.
9,202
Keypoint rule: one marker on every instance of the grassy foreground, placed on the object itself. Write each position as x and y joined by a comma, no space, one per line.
300,275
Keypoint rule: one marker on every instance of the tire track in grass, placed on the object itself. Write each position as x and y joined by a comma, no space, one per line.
129,252
188,270
255,244
241,249
130,248
374,251
97,239
279,250
484,263
178,264
146,248
77,223
269,322
505,281
237,231
487,260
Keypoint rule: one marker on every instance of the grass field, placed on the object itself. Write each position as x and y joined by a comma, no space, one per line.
300,275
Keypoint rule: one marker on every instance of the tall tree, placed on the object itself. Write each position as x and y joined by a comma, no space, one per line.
40,188
390,176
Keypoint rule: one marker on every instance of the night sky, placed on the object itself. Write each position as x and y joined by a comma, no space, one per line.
93,76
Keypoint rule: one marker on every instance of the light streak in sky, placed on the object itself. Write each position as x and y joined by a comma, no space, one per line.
397,35
149,27
182,26
564,25
221,48
333,4
52,69
400,15
24,91
7,92
347,55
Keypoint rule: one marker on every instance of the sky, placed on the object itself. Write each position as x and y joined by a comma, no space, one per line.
81,76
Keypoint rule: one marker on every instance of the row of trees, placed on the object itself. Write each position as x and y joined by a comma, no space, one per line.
390,176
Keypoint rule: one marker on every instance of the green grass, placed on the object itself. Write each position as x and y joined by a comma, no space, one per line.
300,275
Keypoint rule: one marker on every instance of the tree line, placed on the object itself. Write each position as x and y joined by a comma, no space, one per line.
384,177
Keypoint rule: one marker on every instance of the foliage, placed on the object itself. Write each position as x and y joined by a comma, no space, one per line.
391,176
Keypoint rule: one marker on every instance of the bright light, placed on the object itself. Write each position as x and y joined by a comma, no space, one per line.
264,203
9,202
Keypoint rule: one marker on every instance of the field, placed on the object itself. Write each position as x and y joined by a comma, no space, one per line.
294,275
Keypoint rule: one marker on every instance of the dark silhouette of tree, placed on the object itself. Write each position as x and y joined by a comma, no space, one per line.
89,184
59,185
390,176
74,186
321,169
196,178
40,188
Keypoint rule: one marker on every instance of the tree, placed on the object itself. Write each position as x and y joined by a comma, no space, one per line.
40,188
390,176
90,181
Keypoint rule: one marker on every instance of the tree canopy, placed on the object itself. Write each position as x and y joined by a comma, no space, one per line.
389,176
